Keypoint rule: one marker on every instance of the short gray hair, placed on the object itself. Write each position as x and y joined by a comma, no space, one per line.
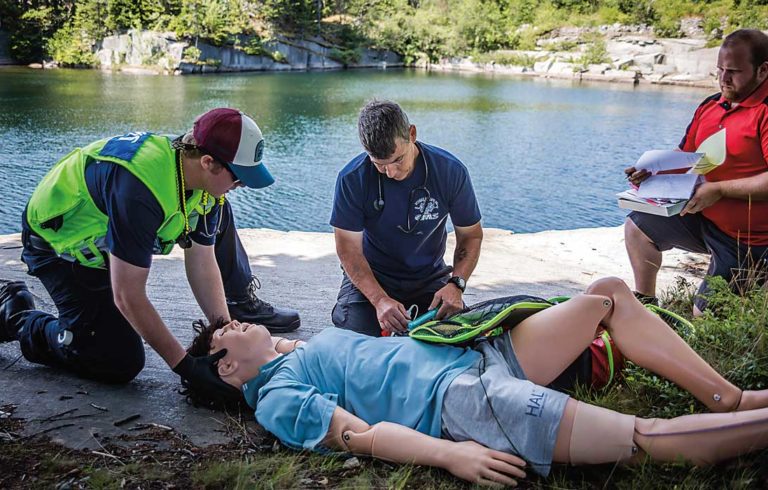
380,124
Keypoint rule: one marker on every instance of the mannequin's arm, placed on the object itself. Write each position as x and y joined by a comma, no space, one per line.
396,443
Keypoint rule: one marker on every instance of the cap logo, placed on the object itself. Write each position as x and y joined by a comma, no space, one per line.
259,154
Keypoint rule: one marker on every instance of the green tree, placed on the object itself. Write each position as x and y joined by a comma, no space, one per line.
297,15
213,20
122,15
34,27
71,46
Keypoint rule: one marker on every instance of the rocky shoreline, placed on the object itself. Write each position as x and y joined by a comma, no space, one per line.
629,55
163,53
626,54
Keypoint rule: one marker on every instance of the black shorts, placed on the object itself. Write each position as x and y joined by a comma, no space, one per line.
737,262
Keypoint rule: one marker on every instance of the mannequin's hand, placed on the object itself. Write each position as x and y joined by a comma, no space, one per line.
476,463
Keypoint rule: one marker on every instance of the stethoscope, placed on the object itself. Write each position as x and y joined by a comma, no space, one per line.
378,204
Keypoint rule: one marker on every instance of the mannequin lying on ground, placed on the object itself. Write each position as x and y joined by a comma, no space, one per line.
484,414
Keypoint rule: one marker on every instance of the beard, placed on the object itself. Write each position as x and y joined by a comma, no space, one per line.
734,94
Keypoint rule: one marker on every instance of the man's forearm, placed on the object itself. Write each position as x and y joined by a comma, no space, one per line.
359,271
205,280
755,188
466,255
143,317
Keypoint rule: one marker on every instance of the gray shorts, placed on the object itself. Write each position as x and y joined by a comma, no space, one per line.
530,414
731,259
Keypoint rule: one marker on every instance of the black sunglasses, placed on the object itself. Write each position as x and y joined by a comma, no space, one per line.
179,145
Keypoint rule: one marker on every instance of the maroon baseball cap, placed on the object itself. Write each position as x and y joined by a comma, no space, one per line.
232,137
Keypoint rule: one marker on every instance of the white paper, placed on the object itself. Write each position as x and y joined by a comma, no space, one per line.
668,186
655,161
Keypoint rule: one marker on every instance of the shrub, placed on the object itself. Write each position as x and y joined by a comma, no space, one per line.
527,39
565,45
345,56
71,47
595,52
191,54
505,58
255,47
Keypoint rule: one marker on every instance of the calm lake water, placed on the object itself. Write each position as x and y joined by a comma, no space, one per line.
542,154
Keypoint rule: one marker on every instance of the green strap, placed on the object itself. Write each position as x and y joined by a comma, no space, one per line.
608,350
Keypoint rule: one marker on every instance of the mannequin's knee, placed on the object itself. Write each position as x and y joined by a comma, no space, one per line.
609,286
654,437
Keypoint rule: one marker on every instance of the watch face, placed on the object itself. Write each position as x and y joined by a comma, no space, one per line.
459,282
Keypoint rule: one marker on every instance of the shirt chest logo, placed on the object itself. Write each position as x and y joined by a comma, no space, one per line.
427,209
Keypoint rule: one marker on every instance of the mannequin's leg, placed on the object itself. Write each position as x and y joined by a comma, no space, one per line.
549,341
647,340
701,439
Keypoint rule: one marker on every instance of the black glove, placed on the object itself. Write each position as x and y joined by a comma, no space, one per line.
199,373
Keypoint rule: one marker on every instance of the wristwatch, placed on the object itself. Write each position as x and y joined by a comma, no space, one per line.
459,282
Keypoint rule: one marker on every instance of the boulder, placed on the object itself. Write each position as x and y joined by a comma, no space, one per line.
543,66
598,69
692,27
163,52
563,68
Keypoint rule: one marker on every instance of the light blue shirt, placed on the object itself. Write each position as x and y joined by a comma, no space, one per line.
394,379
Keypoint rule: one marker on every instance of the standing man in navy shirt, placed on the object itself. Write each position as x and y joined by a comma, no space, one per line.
389,218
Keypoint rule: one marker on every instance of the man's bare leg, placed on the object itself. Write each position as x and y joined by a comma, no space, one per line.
644,258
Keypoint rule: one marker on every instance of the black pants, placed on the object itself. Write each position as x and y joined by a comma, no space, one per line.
740,264
354,312
90,337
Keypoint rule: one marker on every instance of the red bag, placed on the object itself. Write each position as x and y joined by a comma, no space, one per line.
607,361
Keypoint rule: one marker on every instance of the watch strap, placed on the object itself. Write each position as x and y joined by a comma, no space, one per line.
459,282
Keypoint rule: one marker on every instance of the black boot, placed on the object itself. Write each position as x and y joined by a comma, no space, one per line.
14,298
645,299
253,310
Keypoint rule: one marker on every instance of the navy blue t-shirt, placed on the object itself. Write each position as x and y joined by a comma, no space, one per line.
388,250
134,217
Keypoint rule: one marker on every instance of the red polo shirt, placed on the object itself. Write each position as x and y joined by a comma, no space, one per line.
746,137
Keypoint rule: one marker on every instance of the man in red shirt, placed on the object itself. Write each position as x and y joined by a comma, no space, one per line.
727,217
